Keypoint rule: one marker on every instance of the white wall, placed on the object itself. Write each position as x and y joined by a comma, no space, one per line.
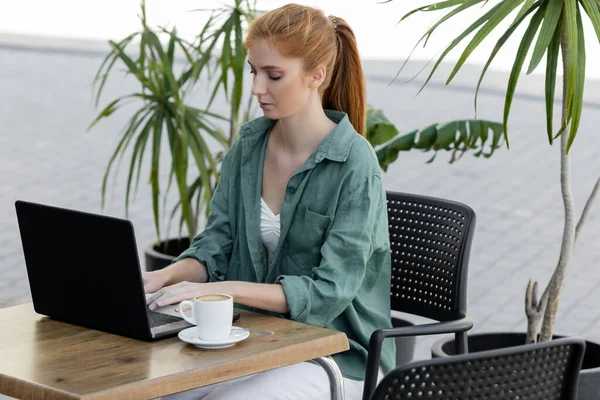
374,24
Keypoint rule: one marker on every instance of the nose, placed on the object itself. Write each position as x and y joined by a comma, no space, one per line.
258,86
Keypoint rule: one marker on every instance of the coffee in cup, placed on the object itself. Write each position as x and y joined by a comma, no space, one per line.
212,297
212,314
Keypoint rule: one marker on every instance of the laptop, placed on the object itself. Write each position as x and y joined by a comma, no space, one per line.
83,269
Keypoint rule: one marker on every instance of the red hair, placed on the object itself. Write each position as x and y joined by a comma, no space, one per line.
306,33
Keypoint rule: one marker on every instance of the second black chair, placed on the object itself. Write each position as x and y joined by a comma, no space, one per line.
541,371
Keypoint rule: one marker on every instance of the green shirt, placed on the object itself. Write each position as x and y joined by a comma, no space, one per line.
333,254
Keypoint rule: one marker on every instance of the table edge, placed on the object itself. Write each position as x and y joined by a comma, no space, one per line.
22,387
152,386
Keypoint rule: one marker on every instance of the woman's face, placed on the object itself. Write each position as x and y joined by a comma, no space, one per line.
279,83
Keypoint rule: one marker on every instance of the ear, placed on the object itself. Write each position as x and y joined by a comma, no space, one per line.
317,77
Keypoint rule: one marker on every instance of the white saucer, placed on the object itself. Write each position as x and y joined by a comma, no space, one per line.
188,335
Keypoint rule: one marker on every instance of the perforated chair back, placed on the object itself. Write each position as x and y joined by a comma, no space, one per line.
430,242
542,371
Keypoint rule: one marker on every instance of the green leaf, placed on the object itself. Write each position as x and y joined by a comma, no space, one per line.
107,111
138,148
506,7
140,159
551,17
429,32
171,48
132,67
523,14
113,57
592,9
551,65
571,28
238,67
578,91
427,137
518,65
525,9
433,7
379,128
453,136
225,59
167,68
446,135
132,126
154,172
179,152
459,38
389,153
483,136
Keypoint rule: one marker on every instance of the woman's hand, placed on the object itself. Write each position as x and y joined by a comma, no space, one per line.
154,281
175,294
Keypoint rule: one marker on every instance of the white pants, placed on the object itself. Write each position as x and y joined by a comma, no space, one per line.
298,381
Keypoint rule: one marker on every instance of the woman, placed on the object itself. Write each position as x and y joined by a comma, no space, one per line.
298,222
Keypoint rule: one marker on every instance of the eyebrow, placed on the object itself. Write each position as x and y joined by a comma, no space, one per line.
266,67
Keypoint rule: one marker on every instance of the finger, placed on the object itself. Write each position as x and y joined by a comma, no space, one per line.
175,296
155,296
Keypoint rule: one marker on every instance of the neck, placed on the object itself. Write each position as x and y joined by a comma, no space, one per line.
303,131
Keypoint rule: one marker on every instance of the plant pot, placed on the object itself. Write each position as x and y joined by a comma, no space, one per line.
159,256
589,377
405,346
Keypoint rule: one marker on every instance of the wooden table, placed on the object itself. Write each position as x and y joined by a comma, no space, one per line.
45,359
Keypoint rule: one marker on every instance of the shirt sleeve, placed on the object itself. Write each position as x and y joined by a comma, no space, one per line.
346,252
212,247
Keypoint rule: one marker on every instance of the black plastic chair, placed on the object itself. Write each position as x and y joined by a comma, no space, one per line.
541,371
430,242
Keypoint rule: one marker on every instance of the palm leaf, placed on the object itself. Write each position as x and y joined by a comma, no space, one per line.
578,90
433,7
571,29
459,38
506,7
518,65
551,17
179,151
109,61
523,14
134,123
592,9
429,32
551,65
154,172
379,129
138,148
454,136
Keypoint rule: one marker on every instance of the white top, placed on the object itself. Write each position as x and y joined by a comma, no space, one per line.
270,226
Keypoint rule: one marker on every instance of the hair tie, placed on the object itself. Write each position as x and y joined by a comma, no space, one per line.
333,21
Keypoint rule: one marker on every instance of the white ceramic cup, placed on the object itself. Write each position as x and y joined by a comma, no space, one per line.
212,314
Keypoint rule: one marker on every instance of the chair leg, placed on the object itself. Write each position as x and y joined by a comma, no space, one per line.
336,380
462,346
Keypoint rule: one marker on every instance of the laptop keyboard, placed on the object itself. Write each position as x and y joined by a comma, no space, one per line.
158,319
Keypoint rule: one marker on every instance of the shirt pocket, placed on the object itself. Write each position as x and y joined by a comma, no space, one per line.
306,237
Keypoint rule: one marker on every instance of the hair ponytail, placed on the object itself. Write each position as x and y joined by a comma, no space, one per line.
306,33
346,91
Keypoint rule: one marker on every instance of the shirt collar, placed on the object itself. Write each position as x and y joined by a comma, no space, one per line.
336,146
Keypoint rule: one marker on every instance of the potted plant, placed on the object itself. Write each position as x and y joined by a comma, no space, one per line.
165,115
560,29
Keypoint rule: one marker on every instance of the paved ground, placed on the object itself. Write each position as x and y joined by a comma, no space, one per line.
47,156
